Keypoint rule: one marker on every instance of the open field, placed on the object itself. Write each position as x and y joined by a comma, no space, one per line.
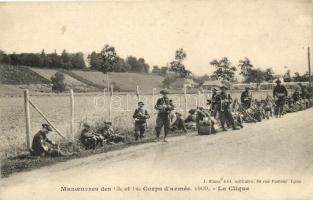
125,81
87,108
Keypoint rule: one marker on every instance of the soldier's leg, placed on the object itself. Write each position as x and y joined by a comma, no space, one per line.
230,118
276,108
137,129
222,119
158,126
166,123
142,130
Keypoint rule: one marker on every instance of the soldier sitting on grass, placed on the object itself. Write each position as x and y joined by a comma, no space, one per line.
40,143
110,135
179,124
140,116
191,120
89,139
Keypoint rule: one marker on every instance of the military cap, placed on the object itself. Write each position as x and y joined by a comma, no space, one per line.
108,123
224,86
47,126
86,125
140,103
192,111
278,81
247,87
178,114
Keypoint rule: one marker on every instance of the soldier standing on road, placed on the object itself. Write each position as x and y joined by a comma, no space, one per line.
212,102
140,116
246,98
280,94
223,107
164,106
40,141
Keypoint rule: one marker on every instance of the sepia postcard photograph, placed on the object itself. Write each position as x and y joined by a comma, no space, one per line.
166,99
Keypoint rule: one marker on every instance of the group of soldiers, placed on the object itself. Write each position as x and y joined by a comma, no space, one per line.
221,109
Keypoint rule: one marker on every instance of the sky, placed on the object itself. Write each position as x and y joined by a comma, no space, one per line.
270,33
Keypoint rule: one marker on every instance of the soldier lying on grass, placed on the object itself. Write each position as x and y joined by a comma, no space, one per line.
89,138
111,136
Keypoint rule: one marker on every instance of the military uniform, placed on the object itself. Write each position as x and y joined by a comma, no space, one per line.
110,136
164,106
179,124
40,141
223,108
89,139
140,116
246,98
296,96
214,104
279,93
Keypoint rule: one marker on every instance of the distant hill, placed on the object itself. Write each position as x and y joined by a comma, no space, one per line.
125,81
79,80
17,75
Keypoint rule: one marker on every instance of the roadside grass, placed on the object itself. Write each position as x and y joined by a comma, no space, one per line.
25,162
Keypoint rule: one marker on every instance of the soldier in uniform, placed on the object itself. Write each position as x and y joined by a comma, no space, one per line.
40,143
212,102
140,116
89,139
110,135
164,106
223,107
179,123
296,96
280,94
246,98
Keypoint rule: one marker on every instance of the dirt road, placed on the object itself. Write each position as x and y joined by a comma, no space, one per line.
277,152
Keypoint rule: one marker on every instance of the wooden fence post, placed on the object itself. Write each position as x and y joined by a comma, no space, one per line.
199,98
153,94
110,108
27,117
185,95
104,99
127,102
72,114
137,93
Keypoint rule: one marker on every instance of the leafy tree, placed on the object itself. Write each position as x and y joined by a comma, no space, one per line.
269,75
95,61
178,66
287,76
301,78
4,58
65,57
156,70
245,67
224,69
168,80
201,79
58,84
163,71
108,58
77,60
121,66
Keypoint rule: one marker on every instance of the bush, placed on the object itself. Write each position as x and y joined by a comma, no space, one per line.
58,84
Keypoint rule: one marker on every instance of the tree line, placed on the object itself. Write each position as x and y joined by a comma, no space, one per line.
107,60
64,60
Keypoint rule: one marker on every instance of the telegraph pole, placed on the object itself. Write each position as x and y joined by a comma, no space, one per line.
309,65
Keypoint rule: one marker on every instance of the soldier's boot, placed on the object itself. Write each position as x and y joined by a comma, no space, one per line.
136,136
223,127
